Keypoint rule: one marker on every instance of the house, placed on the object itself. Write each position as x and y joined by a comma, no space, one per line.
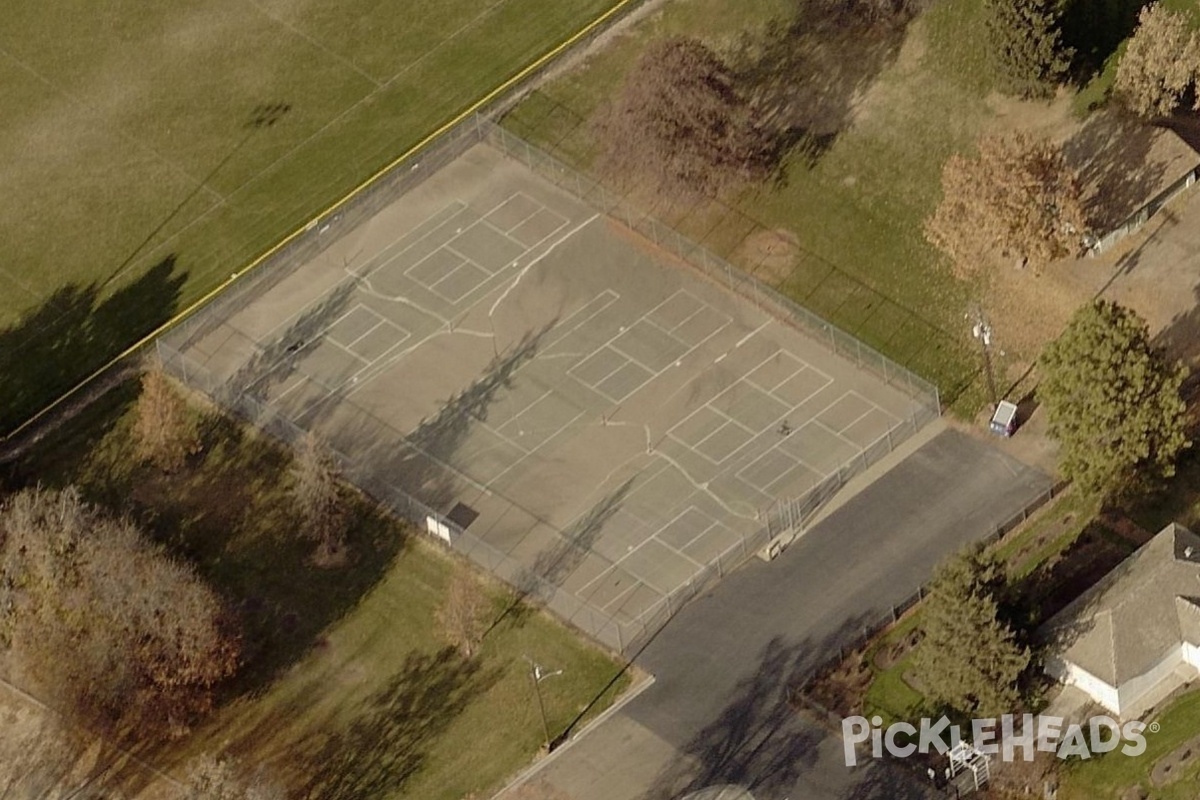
1134,637
1154,166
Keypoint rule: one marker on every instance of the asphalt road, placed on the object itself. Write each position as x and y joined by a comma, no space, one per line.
721,664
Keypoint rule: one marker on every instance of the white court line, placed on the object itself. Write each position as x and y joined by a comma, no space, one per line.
751,335
795,459
459,207
469,265
496,429
509,199
529,453
771,389
607,375
873,407
369,331
606,293
654,374
533,262
712,523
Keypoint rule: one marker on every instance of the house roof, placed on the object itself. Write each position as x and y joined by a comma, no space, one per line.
1143,609
1123,163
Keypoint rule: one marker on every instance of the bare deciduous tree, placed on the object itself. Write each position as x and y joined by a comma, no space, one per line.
103,620
680,123
318,495
164,433
461,616
1161,62
1016,199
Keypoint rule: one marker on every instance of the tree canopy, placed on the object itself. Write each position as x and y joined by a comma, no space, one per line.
103,620
969,658
1027,45
1160,64
1113,401
680,122
1017,198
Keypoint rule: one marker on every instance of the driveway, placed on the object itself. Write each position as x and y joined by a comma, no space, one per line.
716,713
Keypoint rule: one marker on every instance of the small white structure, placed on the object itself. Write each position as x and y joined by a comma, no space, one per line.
1134,637
1004,421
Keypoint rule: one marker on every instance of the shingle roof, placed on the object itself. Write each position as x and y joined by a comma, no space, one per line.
1136,614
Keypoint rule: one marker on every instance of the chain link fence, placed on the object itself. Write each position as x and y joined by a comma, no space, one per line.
892,615
785,517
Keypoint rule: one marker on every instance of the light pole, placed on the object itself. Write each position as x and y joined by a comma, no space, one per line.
982,331
539,674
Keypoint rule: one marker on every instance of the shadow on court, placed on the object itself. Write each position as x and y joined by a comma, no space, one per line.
278,360
420,459
76,331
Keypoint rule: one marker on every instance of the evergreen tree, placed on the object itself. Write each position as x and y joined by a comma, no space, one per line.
1027,45
969,658
1113,400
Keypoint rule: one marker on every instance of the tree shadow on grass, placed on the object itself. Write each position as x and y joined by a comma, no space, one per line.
74,332
1059,581
803,75
1094,29
392,731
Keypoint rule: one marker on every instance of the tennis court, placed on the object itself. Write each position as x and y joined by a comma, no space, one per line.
591,419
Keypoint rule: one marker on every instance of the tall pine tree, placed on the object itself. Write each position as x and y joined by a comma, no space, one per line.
969,658
1027,45
1113,400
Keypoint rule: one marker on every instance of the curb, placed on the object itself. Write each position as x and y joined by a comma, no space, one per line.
537,766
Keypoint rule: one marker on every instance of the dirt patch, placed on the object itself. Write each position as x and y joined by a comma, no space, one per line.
1047,119
1028,308
895,91
770,255
1174,765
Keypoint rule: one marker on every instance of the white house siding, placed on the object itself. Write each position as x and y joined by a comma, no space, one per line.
1073,675
1132,690
1191,654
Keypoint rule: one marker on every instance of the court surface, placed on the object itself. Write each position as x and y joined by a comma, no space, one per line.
596,416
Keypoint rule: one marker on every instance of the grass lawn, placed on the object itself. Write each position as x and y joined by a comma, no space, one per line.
1111,774
856,213
348,690
197,134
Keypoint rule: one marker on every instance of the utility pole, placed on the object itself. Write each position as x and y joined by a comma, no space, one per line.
982,331
538,673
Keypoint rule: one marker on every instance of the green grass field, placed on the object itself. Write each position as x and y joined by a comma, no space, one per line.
348,691
1111,775
863,262
134,135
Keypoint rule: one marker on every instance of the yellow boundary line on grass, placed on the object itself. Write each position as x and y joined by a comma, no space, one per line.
225,284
